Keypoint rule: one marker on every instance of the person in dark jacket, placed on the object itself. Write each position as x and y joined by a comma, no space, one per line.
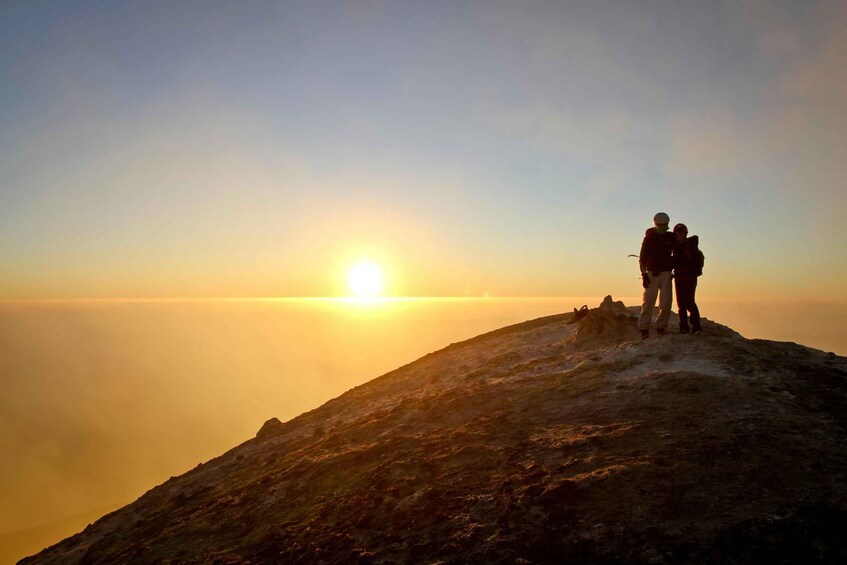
656,262
687,266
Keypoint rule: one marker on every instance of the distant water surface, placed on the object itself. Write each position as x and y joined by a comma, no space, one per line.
106,399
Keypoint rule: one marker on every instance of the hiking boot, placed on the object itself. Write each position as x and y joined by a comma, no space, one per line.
684,331
660,331
697,332
645,334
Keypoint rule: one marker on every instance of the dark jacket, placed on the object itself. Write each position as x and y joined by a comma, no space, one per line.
656,251
686,261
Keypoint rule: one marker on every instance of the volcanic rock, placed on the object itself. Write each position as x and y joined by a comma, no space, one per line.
269,428
542,442
612,306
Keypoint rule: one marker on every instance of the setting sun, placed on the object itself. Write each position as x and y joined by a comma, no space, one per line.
365,279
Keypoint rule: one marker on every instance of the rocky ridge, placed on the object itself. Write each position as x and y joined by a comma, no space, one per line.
543,442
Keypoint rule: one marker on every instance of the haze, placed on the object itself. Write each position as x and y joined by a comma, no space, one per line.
104,400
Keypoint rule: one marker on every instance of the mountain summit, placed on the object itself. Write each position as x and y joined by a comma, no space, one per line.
542,442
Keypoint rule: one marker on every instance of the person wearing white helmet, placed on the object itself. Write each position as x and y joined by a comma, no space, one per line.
656,262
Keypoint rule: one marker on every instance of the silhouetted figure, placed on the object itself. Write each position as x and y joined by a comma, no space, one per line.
656,262
687,266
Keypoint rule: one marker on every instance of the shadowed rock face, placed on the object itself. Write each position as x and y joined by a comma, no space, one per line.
539,443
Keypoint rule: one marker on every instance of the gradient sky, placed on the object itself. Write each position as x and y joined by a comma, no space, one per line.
153,149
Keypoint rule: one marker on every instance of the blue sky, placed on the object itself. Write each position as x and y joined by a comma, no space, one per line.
510,148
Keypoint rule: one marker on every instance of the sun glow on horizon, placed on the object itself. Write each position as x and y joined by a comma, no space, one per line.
365,279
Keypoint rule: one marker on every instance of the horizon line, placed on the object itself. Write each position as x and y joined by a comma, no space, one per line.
287,298
634,298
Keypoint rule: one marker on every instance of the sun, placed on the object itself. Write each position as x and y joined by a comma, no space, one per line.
365,279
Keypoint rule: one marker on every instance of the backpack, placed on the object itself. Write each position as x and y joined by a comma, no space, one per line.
697,261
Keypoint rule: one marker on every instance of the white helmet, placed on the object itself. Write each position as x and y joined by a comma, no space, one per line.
661,218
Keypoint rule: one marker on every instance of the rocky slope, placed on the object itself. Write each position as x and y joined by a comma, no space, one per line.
544,442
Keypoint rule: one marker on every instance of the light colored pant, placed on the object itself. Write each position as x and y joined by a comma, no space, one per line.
661,286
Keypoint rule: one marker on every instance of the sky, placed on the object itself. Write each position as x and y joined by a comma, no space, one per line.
221,149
